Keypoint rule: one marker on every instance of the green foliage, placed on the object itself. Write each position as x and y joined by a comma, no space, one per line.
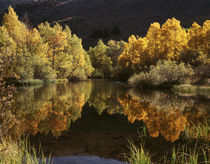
24,65
43,70
81,67
100,60
97,74
166,73
104,57
114,49
66,52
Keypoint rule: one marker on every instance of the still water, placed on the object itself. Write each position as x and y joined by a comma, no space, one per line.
93,120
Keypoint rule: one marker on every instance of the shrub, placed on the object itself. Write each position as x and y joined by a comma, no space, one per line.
165,74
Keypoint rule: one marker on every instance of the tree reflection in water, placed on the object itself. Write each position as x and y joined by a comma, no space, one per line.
48,109
51,109
163,113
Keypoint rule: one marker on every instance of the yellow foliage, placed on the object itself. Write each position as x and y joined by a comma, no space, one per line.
153,37
16,29
169,41
173,39
196,36
134,52
206,29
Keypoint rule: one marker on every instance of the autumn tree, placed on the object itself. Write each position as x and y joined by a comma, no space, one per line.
206,29
133,55
81,66
196,37
173,40
18,32
65,52
197,52
153,47
7,52
29,54
16,29
55,37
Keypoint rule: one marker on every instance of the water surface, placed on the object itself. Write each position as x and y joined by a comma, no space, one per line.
94,119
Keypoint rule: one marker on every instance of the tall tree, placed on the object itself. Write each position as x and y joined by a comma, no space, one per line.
7,52
55,37
173,39
133,55
153,47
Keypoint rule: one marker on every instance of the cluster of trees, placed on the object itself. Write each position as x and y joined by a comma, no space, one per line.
45,52
169,41
104,57
50,52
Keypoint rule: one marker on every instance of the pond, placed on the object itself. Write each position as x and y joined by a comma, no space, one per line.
93,120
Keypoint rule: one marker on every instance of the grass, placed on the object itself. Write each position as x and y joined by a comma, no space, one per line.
20,153
192,148
192,89
29,82
137,156
97,74
183,155
200,131
32,82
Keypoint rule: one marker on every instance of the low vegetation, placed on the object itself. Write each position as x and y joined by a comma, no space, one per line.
20,152
192,148
138,156
165,74
198,131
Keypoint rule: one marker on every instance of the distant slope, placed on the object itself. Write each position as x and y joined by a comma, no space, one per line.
131,16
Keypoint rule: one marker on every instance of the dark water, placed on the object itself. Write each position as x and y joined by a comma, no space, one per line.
93,120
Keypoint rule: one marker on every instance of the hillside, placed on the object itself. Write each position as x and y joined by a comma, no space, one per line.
130,16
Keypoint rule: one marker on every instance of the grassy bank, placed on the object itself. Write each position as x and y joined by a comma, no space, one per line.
192,89
31,82
19,153
61,81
